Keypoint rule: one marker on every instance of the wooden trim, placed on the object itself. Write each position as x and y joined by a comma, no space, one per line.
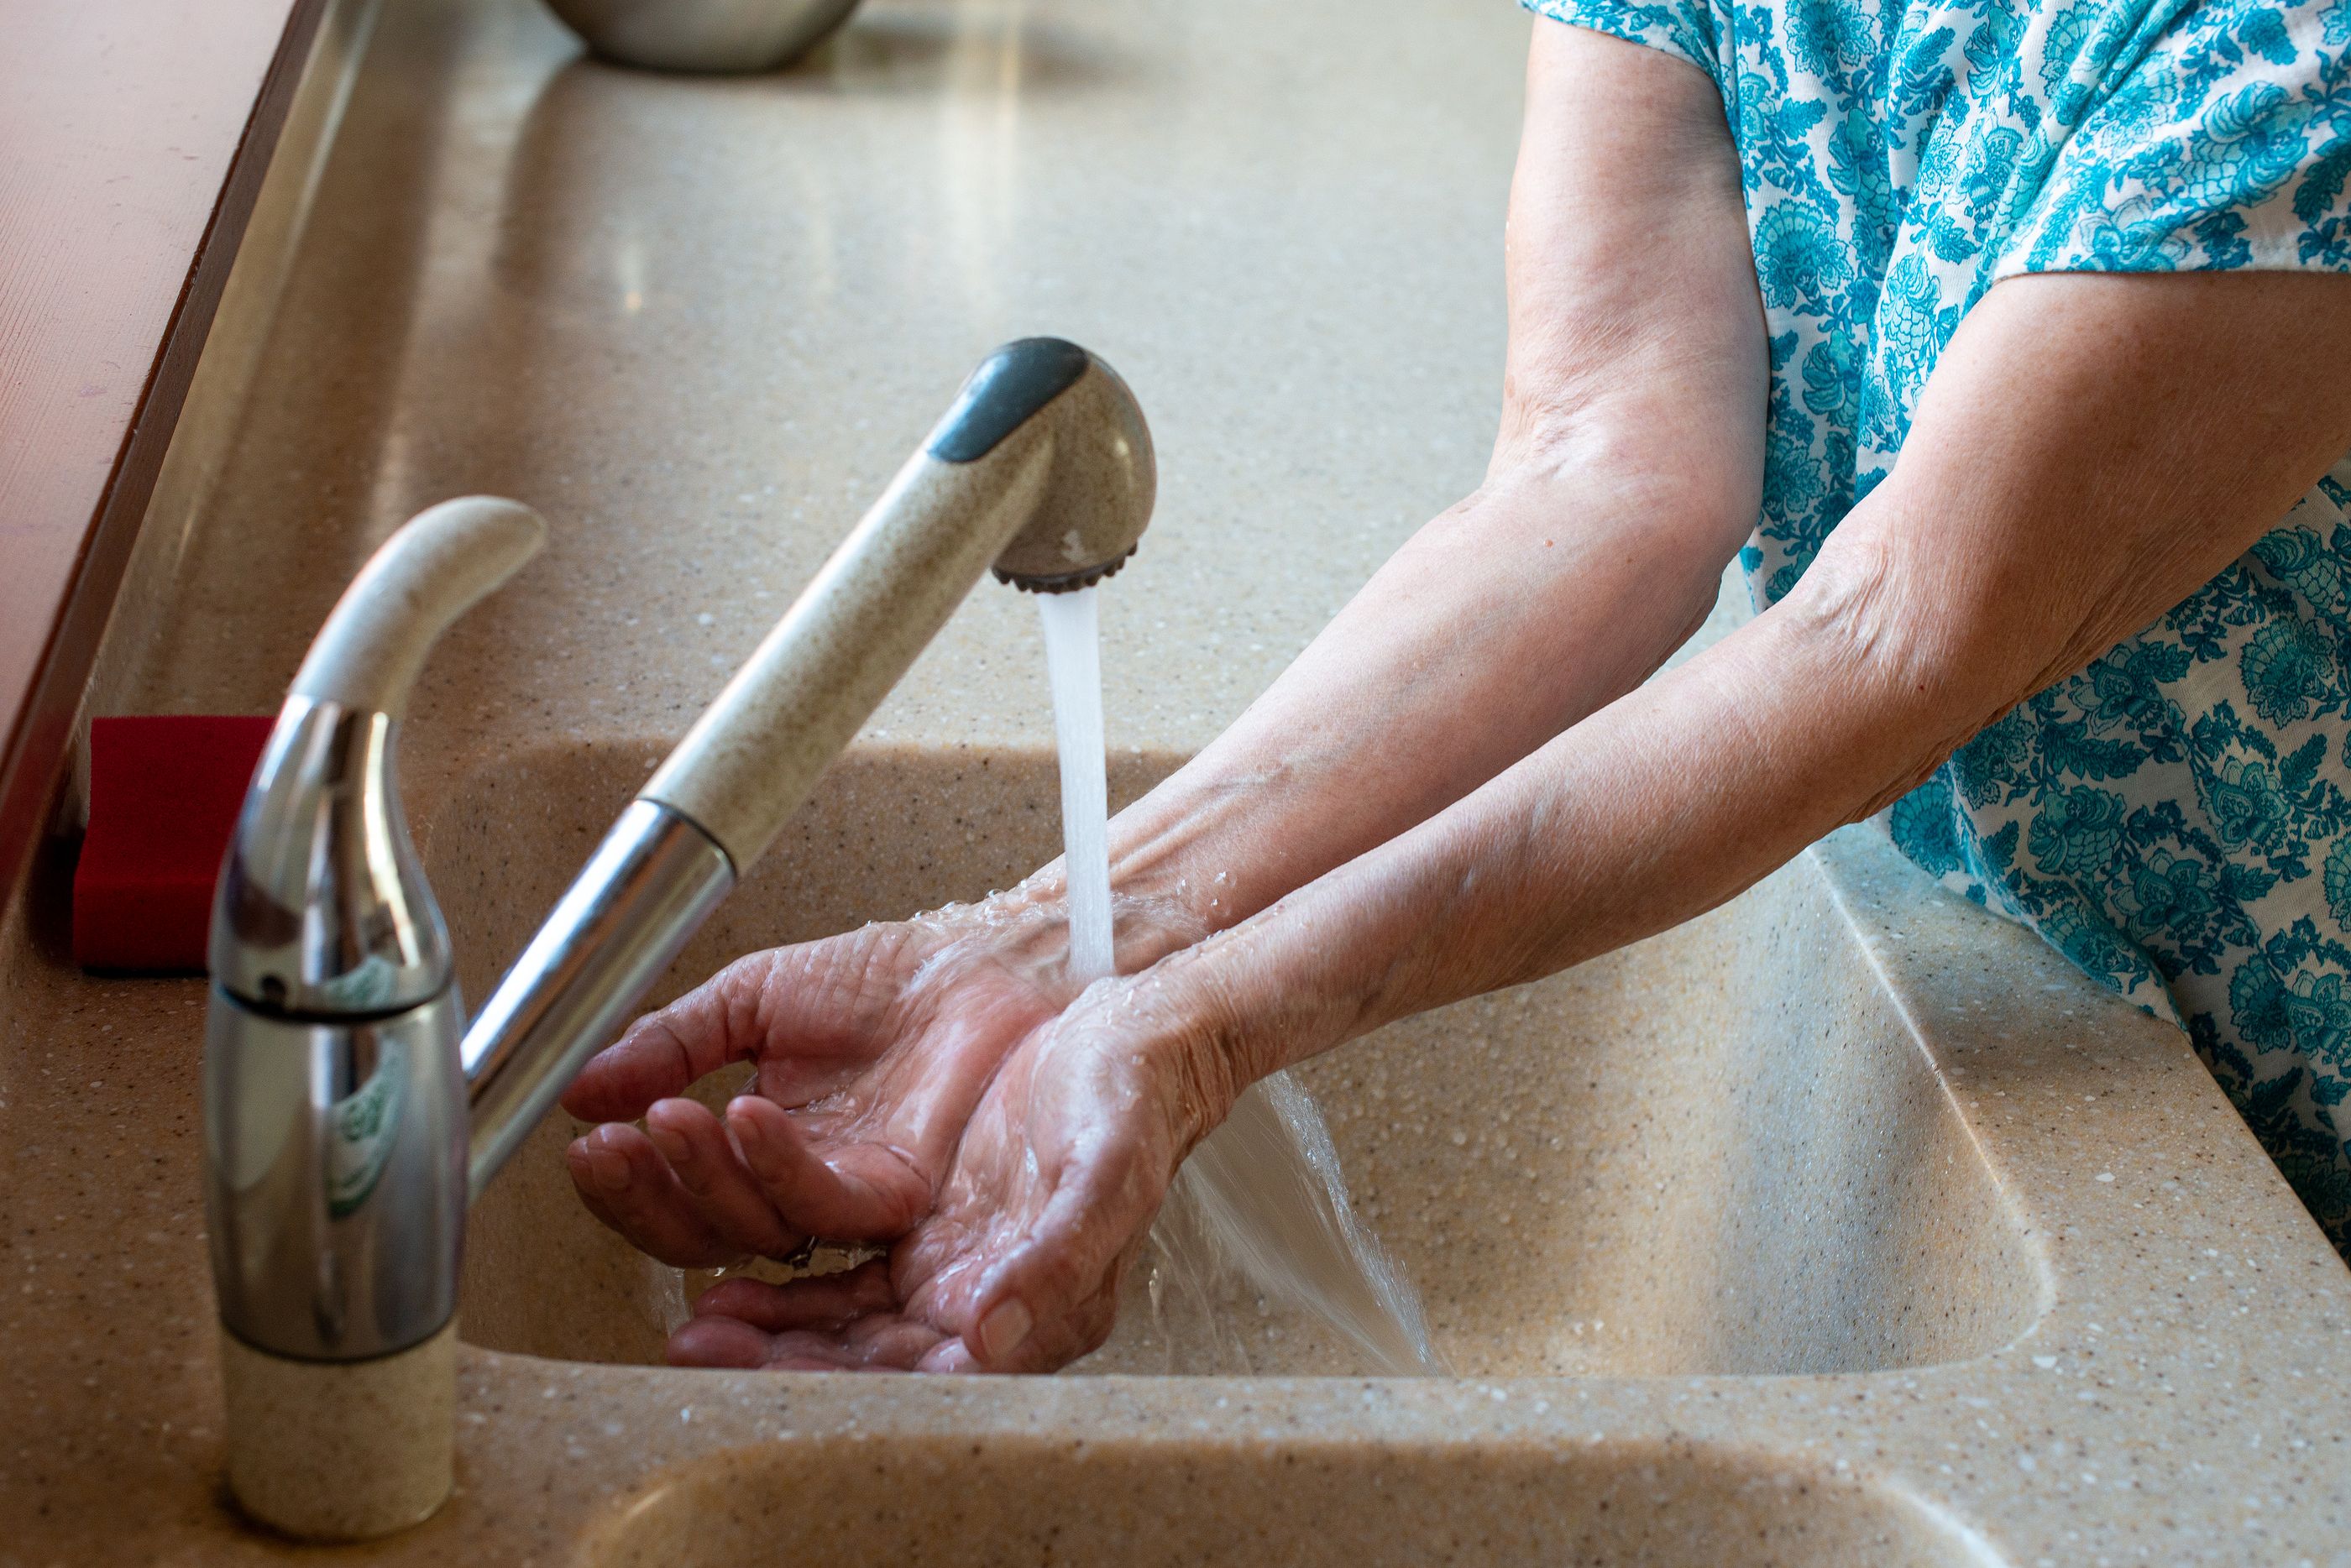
134,135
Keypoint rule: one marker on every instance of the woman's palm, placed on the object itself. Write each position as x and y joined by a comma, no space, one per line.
917,1085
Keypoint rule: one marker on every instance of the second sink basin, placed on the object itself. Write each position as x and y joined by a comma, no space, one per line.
1034,1500
1718,1151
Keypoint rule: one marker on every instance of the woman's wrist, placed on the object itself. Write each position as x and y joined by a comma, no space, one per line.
1203,1054
1191,849
1287,983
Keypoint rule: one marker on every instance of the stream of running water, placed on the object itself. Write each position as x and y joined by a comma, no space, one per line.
1262,1197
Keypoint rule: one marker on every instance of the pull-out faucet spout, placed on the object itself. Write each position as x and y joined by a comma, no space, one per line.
336,1082
1043,470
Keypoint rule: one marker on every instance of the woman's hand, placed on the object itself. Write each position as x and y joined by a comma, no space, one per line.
921,1085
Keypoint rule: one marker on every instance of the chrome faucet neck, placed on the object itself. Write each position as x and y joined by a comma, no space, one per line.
649,885
324,912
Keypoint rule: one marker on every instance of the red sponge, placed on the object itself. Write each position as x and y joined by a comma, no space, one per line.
163,796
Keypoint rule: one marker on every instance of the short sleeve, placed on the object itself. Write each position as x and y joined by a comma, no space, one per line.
2226,145
1682,28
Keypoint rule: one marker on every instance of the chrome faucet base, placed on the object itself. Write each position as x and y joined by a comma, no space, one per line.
334,1100
336,1203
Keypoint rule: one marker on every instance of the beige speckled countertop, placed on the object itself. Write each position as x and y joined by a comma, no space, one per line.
1874,1234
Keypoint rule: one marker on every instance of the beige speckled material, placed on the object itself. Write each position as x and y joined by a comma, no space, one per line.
1332,1505
1849,1225
1070,489
340,1450
433,570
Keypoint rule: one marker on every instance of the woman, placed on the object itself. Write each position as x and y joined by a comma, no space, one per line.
2090,636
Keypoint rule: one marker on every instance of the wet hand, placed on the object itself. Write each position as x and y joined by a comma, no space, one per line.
925,1084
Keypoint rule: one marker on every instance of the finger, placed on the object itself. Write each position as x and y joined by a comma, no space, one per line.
949,1356
882,1342
878,1342
888,1342
693,1143
852,1192
1052,1297
628,1187
718,1342
824,999
805,1351
658,1055
828,1301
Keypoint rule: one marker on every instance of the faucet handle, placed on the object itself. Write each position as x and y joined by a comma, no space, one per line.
436,568
334,1102
322,909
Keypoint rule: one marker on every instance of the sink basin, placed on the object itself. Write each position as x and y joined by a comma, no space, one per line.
1657,1505
1719,1151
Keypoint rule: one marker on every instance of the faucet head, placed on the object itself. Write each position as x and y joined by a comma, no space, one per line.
1101,480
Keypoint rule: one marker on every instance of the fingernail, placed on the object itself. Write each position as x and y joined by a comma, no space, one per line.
608,1170
1002,1330
673,1147
750,1138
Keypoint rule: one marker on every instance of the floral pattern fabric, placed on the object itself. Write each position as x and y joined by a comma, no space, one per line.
2176,818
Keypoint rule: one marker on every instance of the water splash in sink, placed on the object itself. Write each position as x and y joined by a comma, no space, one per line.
1261,1202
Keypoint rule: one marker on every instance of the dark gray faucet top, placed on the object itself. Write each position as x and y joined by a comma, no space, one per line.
1010,387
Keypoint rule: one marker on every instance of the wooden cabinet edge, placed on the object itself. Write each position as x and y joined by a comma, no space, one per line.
196,388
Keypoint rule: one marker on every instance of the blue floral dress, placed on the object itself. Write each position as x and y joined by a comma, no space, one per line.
2176,818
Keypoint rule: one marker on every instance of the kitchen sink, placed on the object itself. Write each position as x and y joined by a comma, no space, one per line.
1718,1151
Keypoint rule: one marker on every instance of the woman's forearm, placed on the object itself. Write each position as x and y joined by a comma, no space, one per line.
1627,471
2034,521
1661,807
1496,627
